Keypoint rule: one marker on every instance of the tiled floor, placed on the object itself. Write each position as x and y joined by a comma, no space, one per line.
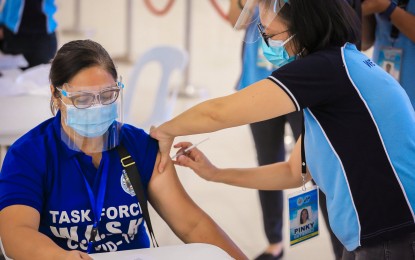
214,66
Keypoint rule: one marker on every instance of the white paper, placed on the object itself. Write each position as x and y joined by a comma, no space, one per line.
8,61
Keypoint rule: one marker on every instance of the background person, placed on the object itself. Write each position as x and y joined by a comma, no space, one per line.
351,146
388,26
29,29
57,177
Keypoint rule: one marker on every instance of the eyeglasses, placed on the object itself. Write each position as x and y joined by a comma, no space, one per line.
265,36
85,99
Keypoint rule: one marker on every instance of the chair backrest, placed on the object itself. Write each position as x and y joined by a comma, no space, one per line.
170,59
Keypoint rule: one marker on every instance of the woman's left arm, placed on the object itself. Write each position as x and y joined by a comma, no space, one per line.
189,222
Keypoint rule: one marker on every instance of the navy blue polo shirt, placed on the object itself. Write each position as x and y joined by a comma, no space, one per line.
359,142
40,171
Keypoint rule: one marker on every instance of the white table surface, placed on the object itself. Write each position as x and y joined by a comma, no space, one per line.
180,252
19,114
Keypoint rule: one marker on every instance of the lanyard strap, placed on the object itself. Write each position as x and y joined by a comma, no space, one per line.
303,159
133,174
96,204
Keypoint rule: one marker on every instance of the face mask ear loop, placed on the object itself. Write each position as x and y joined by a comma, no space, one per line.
289,39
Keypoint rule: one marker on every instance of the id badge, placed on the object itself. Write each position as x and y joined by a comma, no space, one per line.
303,210
390,59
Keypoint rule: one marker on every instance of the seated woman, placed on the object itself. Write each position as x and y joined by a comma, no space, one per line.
63,190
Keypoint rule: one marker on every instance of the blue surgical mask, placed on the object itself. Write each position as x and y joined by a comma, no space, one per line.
276,52
93,121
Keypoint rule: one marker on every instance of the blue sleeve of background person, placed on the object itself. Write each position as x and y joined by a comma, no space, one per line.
49,8
13,10
12,14
142,148
383,30
22,177
253,69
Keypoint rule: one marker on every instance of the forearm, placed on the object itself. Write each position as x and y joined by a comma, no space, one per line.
27,243
405,22
277,176
207,231
205,117
234,12
368,31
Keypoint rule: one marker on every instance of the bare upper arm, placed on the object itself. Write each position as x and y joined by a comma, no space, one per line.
257,102
16,216
170,200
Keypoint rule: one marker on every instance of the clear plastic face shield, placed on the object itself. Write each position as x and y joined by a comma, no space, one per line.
92,116
268,10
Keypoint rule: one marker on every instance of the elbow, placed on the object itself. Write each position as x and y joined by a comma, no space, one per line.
215,112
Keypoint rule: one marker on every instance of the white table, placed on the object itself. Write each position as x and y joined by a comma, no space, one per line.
180,252
19,114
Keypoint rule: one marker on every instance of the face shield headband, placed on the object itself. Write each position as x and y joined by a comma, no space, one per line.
268,10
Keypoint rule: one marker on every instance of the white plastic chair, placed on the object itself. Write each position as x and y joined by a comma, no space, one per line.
170,59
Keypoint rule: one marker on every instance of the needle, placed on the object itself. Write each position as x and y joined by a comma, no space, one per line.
189,148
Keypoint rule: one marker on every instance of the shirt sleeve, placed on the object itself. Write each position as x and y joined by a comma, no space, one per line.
21,179
313,81
143,149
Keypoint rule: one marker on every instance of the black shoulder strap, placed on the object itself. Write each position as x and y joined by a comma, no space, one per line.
130,167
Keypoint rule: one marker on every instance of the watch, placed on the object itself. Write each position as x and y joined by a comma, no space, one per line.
387,13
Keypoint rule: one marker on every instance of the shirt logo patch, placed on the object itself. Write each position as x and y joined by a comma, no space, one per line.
126,184
369,63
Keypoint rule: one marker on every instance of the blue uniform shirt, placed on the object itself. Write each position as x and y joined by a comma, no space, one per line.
359,142
40,171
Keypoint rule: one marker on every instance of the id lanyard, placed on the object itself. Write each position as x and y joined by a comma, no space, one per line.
98,203
303,205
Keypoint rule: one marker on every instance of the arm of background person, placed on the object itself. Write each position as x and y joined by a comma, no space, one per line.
368,31
403,20
190,223
21,239
234,11
277,176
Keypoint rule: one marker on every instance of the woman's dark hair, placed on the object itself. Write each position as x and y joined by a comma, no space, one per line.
75,56
301,216
318,24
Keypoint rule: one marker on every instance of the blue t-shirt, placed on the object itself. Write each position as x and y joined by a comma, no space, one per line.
383,39
40,171
359,142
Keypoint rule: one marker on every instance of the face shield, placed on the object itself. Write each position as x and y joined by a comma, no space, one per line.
91,119
260,13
